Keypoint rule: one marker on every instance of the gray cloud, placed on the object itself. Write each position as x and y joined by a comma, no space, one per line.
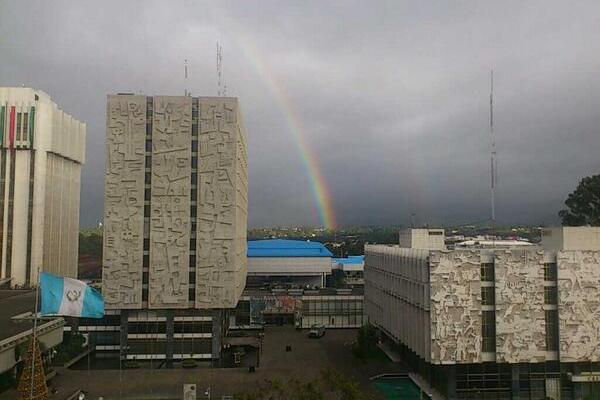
393,96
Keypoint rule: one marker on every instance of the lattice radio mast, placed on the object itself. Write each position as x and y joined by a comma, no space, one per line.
185,91
493,162
221,85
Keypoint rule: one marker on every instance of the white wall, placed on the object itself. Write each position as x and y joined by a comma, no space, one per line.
59,144
289,265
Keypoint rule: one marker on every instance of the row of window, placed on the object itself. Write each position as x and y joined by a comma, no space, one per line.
22,126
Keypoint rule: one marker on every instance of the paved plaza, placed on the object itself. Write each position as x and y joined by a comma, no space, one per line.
305,361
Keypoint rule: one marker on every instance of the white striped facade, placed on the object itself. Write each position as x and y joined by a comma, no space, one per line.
42,150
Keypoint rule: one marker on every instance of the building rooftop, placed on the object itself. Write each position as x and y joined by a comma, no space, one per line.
287,248
15,302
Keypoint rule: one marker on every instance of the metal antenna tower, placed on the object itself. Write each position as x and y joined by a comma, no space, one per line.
185,74
493,164
222,87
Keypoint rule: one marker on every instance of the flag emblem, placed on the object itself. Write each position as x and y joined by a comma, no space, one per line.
69,297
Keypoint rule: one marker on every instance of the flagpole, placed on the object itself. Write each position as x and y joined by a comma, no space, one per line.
35,314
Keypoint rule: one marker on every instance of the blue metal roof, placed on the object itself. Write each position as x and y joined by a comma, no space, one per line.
287,248
350,260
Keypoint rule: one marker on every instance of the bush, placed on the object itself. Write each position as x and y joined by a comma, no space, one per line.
71,346
131,365
7,380
189,363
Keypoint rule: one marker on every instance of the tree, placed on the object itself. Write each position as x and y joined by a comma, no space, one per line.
329,386
583,205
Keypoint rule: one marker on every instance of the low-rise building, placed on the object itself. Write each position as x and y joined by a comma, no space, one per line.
332,308
16,329
494,323
287,263
348,271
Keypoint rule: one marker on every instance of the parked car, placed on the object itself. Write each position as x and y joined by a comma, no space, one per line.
316,331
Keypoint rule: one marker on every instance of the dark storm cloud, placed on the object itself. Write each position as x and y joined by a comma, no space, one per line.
393,97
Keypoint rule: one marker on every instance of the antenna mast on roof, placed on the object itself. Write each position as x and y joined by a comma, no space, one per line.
185,74
493,165
222,87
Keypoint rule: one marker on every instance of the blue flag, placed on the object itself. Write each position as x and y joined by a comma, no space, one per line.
67,296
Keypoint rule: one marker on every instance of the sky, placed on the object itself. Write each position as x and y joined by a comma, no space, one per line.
391,99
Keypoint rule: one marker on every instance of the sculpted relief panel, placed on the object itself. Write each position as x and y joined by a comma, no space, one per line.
170,203
579,305
455,307
124,202
220,255
520,320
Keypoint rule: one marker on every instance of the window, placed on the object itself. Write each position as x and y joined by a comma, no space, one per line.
550,272
19,116
488,331
551,295
487,272
25,126
488,296
552,330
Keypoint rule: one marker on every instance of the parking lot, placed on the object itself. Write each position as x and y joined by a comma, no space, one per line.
307,358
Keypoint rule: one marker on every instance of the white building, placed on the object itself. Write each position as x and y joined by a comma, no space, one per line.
288,263
42,150
422,239
513,323
349,270
175,223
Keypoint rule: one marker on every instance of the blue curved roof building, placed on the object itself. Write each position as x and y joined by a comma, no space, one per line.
287,248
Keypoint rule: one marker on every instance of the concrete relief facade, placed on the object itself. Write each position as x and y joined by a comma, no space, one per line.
170,203
579,305
455,306
222,204
124,202
520,320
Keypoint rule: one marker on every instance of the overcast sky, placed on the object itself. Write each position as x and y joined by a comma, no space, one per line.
393,96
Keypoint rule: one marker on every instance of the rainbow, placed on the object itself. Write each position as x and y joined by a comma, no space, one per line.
320,189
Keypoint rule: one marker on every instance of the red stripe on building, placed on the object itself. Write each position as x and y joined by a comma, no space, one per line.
11,131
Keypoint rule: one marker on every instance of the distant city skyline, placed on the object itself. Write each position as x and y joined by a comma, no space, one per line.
364,119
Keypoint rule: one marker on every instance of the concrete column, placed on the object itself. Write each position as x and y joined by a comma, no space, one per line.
217,332
123,335
170,340
577,389
451,384
514,381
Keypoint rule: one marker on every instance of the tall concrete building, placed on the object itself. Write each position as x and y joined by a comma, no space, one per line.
42,150
175,219
489,323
